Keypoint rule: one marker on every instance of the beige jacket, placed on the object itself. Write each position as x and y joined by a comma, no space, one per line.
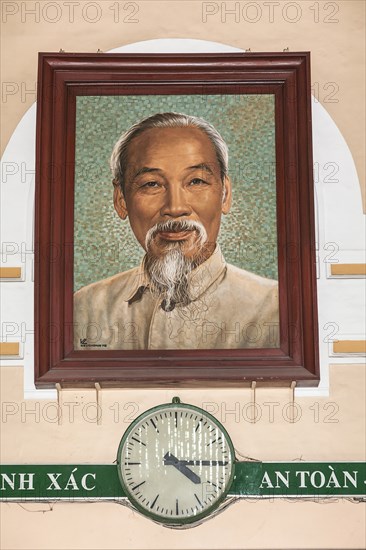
229,308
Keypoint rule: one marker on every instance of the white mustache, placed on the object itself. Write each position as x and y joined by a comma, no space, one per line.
173,225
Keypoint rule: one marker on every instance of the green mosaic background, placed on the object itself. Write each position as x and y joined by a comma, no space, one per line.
105,245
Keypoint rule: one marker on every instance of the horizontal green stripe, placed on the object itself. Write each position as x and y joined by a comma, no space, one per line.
252,479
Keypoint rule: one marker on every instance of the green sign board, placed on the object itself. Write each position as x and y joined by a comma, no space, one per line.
251,479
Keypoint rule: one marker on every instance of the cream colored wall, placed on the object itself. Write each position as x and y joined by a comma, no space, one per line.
337,57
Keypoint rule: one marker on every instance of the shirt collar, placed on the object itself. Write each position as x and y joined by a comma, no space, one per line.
200,279
138,280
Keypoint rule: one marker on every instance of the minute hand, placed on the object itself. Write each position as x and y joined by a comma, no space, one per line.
204,462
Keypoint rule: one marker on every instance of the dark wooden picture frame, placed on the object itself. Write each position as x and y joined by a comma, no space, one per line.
62,77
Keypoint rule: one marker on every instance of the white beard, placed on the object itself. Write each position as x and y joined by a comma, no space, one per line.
169,272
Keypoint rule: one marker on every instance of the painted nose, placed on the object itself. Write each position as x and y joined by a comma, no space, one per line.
175,204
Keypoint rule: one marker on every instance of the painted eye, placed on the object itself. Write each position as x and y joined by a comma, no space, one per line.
151,184
197,181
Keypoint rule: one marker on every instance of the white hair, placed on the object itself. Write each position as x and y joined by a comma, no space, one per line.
119,159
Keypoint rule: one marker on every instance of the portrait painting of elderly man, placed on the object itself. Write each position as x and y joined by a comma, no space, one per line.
171,184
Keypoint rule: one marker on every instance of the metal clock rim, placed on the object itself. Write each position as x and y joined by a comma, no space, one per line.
155,517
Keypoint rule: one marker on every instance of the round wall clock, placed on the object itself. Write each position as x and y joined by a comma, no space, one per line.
176,463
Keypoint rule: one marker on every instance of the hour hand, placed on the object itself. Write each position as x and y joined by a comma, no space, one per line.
171,460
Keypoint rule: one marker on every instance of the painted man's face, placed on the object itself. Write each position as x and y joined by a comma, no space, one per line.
173,175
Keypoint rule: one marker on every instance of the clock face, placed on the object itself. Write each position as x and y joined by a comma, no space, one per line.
176,463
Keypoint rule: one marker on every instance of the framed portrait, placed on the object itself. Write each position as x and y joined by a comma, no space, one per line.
175,220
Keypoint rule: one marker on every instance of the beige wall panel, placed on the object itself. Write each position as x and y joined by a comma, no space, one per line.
268,524
328,428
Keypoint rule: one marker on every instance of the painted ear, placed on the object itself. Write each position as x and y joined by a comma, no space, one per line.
119,201
227,196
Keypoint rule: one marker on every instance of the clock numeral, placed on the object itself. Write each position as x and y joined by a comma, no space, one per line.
176,508
176,419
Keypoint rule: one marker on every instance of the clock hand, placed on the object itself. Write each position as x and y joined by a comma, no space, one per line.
204,462
171,460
